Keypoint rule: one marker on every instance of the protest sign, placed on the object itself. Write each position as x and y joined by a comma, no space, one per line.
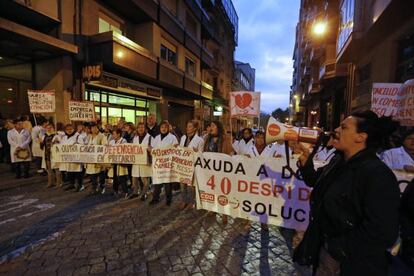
117,154
245,103
251,188
394,99
81,111
41,101
173,164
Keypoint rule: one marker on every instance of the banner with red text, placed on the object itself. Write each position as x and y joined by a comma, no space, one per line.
81,111
244,103
251,188
41,101
94,154
394,99
175,164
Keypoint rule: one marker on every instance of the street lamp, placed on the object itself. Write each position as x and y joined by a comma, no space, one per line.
319,28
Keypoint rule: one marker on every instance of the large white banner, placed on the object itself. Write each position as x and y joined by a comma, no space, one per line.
394,99
81,111
244,103
41,101
174,164
251,188
117,154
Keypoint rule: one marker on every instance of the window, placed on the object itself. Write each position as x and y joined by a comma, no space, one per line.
190,67
405,66
168,55
190,24
364,80
116,99
107,24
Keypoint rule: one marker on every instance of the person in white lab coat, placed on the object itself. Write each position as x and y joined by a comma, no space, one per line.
195,142
399,158
244,145
19,140
141,174
259,148
118,172
37,135
164,140
74,170
96,171
326,151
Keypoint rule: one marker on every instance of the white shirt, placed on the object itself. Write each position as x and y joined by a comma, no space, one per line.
71,167
324,154
168,141
197,143
280,149
268,151
18,139
397,158
142,170
241,147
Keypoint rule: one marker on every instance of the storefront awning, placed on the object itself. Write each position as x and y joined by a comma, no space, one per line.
24,43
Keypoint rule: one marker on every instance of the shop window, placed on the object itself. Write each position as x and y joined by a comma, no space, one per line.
405,66
129,115
168,54
141,104
114,114
190,67
107,24
364,80
115,99
94,96
104,115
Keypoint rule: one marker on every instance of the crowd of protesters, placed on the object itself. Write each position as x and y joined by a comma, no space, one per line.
356,210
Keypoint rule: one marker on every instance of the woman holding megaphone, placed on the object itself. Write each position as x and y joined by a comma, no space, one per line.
354,202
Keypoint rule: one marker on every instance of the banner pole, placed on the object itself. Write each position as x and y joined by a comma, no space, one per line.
34,117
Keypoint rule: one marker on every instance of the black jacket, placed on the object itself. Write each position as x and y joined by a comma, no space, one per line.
354,213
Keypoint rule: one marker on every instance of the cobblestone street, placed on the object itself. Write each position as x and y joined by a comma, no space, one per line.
51,231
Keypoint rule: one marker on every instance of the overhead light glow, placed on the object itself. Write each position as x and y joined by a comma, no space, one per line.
319,28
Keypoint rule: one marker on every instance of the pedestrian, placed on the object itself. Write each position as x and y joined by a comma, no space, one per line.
218,141
141,174
326,151
407,225
259,147
164,140
398,158
74,170
19,140
82,134
152,128
354,202
244,145
118,172
5,146
48,140
37,136
196,143
27,124
96,171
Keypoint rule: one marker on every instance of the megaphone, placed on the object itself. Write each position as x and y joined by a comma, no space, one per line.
276,130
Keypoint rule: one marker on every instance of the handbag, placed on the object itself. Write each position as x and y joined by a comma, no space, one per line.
22,154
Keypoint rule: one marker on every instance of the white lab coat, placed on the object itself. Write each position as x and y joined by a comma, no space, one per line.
71,167
100,140
18,139
84,137
142,170
268,151
397,158
37,135
324,154
241,147
168,141
121,169
197,143
280,149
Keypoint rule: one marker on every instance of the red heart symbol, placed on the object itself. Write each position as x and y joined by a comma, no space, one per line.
243,101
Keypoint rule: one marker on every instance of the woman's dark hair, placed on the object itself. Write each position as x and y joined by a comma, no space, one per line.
260,133
220,128
248,129
165,122
118,131
377,128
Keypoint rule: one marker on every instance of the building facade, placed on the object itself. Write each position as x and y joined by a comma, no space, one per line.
173,58
244,77
363,42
